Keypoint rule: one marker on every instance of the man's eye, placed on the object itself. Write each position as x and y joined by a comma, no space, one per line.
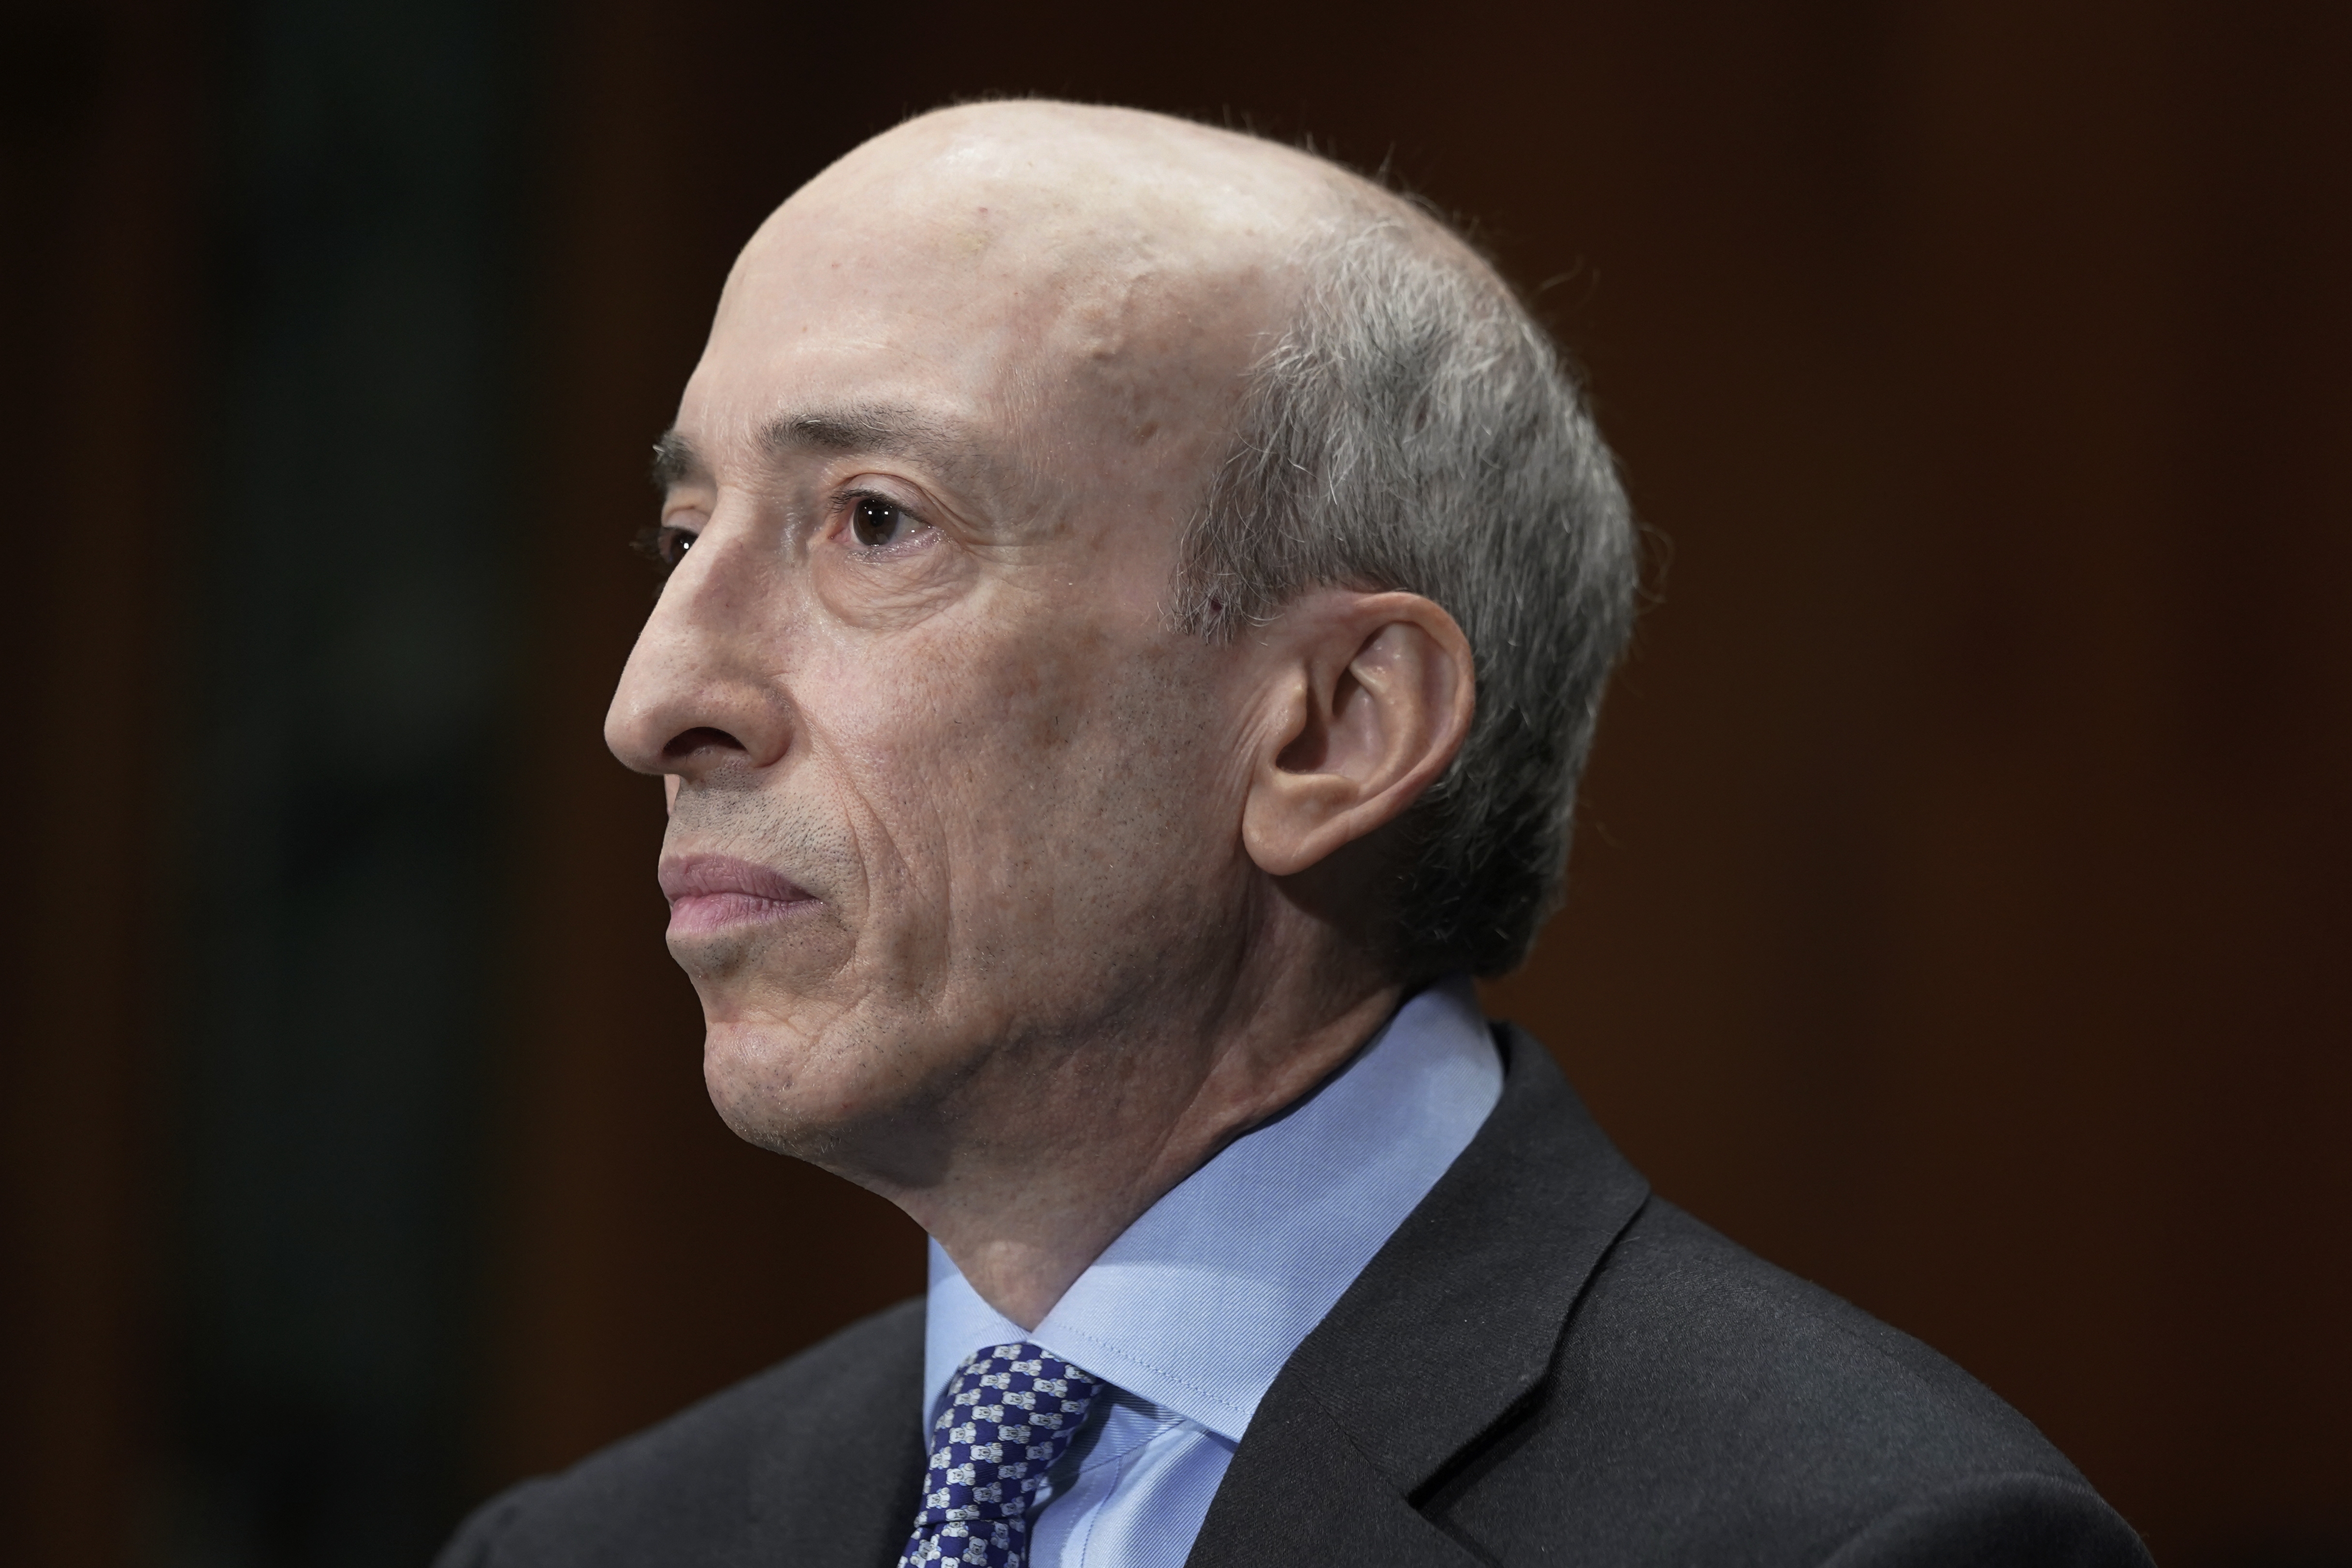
667,545
875,522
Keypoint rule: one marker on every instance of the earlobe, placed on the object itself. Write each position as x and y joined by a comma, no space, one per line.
1376,698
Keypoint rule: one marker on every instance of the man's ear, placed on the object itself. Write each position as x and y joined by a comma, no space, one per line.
1373,697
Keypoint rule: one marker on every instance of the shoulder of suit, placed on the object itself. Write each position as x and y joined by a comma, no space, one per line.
683,1489
1679,1310
1706,1405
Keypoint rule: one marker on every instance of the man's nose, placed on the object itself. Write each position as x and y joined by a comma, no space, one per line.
702,688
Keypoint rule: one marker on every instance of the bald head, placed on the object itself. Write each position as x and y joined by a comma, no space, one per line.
1068,188
1098,227
1087,278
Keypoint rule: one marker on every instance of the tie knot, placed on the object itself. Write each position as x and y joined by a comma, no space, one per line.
1011,1411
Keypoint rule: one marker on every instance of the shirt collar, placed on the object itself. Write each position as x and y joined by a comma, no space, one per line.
1197,1305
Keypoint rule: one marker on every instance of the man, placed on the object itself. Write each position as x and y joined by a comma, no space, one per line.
1139,599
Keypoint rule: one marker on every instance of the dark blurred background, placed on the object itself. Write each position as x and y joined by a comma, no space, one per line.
1960,910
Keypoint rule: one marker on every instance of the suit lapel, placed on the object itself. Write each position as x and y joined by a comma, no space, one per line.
1451,1324
1323,1501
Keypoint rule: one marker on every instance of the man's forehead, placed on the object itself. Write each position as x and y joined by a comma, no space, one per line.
878,429
1005,291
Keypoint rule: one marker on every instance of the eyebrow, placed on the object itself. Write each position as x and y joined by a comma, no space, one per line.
887,430
882,428
676,461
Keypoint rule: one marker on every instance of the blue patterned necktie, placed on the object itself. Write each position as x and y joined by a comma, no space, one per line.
1012,1412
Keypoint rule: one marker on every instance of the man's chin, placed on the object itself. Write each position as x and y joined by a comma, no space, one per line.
776,950
808,1093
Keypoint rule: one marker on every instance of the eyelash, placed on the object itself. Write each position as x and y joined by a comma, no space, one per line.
653,542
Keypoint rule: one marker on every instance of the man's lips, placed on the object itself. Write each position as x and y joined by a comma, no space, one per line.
707,893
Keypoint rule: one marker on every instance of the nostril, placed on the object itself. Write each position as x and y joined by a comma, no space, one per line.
701,738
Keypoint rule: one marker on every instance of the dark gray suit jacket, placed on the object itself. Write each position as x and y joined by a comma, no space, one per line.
1544,1364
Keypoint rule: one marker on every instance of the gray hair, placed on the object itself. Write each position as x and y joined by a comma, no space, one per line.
1413,428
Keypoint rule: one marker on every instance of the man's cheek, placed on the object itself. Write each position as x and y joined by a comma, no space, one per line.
905,817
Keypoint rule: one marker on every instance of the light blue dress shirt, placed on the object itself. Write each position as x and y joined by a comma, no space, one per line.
1196,1306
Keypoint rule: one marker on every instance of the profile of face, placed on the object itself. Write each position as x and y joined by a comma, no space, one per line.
957,809
946,787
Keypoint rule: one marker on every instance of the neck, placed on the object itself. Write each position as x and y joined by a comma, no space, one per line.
1023,1217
